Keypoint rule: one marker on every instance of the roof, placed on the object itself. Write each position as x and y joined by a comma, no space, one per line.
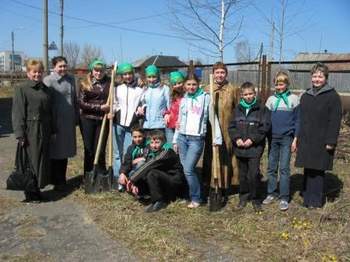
160,60
323,57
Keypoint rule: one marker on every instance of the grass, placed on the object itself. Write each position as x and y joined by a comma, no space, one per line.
180,234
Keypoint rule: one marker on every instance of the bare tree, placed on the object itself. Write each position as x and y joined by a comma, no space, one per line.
212,24
71,51
89,53
283,23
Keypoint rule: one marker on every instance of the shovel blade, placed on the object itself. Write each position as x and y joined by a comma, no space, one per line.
216,200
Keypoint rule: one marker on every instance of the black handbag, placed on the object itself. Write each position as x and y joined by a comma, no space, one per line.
22,177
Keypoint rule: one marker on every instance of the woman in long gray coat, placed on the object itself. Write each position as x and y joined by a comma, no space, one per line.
66,115
32,124
320,118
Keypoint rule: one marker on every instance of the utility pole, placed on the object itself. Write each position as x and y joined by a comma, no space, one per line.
61,5
45,37
13,52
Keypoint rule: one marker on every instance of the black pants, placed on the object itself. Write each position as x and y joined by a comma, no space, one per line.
314,183
162,186
58,171
91,129
249,180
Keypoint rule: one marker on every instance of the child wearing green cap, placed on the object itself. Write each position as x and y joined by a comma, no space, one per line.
177,93
126,100
155,101
94,91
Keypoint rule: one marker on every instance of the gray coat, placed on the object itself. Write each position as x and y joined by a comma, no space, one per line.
32,120
65,113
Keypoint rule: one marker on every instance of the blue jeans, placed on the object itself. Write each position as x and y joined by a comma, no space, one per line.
279,156
190,149
169,134
121,141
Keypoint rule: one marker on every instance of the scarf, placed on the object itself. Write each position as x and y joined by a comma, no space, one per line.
245,105
196,94
157,84
284,97
138,150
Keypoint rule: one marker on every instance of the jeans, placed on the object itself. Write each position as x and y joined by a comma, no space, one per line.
121,141
190,149
279,156
169,134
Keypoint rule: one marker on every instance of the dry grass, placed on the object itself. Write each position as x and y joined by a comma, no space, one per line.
180,234
6,91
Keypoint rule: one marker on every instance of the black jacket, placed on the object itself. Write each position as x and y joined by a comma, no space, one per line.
255,126
167,161
320,118
126,165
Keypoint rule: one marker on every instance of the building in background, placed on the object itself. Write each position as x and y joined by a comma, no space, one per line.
6,61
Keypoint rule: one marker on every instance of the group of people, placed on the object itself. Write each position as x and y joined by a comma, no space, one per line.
160,132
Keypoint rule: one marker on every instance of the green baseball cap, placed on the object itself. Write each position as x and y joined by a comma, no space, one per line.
152,70
125,68
176,77
95,62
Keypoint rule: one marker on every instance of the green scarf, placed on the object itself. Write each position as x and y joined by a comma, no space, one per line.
137,150
246,105
284,97
196,94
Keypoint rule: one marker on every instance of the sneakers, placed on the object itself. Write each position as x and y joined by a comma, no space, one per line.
154,207
269,199
283,205
193,204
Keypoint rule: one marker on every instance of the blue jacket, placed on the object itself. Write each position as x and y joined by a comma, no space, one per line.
284,119
156,101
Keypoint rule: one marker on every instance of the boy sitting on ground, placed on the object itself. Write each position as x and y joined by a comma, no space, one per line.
161,176
134,156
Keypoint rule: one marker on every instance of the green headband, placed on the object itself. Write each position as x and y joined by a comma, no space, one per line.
152,70
125,68
95,62
176,77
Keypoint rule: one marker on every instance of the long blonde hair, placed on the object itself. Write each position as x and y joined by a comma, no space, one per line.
86,83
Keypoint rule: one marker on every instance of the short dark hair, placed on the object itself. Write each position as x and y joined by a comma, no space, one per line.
57,59
157,134
247,85
138,129
219,65
321,68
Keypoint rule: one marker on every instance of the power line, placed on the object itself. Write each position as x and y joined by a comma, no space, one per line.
105,24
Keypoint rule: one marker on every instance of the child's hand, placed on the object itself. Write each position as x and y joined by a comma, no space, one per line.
105,108
140,111
248,143
293,147
110,115
175,148
137,160
129,186
239,142
123,180
166,119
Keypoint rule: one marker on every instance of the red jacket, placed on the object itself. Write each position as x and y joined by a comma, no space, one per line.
173,111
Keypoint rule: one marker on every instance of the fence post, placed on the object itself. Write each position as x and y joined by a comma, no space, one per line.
263,79
268,88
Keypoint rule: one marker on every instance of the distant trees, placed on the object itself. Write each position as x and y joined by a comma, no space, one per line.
75,56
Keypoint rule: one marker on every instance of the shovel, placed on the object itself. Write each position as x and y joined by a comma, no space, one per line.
97,180
216,200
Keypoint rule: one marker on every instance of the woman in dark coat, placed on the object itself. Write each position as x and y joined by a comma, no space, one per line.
32,124
94,90
66,115
320,118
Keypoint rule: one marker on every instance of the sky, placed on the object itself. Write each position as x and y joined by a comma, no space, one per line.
133,29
